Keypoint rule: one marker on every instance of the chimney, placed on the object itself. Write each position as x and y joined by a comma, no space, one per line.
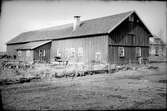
76,22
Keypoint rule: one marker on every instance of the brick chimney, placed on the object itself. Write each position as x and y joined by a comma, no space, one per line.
76,22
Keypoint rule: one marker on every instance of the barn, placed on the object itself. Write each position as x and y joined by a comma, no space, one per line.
117,39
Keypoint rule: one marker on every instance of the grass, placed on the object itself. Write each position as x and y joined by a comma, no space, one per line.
46,71
100,92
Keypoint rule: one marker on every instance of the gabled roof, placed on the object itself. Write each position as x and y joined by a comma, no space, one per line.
101,25
32,45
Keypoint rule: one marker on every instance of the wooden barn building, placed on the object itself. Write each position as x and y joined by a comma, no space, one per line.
118,39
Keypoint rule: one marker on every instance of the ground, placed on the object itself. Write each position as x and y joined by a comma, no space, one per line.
130,89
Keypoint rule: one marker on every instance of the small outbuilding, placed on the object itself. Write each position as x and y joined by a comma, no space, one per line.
157,47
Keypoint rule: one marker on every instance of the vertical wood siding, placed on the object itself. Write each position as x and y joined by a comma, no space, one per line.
121,36
34,54
45,47
90,46
24,57
12,49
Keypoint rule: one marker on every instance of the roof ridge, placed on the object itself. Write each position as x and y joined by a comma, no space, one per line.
100,25
42,29
110,15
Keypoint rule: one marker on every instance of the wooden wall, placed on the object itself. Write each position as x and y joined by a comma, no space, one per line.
121,36
90,46
11,49
26,56
45,47
34,54
130,55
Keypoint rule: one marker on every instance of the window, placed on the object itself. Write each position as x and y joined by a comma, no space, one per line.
98,56
67,52
40,52
131,18
58,52
137,20
121,51
134,40
131,39
44,53
14,56
19,53
80,51
156,51
28,53
138,51
72,52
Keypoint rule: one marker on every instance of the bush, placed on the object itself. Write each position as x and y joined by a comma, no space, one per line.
153,67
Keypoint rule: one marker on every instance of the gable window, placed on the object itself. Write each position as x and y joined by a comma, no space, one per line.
138,51
131,19
131,39
137,20
121,51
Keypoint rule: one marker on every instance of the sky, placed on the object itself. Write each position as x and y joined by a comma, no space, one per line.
21,16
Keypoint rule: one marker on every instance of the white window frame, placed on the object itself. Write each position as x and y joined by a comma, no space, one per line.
121,51
72,52
40,52
98,56
44,52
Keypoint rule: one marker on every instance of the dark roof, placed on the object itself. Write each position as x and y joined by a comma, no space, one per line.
88,27
32,45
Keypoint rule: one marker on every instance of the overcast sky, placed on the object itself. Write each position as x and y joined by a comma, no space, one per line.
22,16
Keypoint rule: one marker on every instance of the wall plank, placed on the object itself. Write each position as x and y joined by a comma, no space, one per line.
90,46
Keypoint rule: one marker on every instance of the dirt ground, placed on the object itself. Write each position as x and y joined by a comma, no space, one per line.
131,89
